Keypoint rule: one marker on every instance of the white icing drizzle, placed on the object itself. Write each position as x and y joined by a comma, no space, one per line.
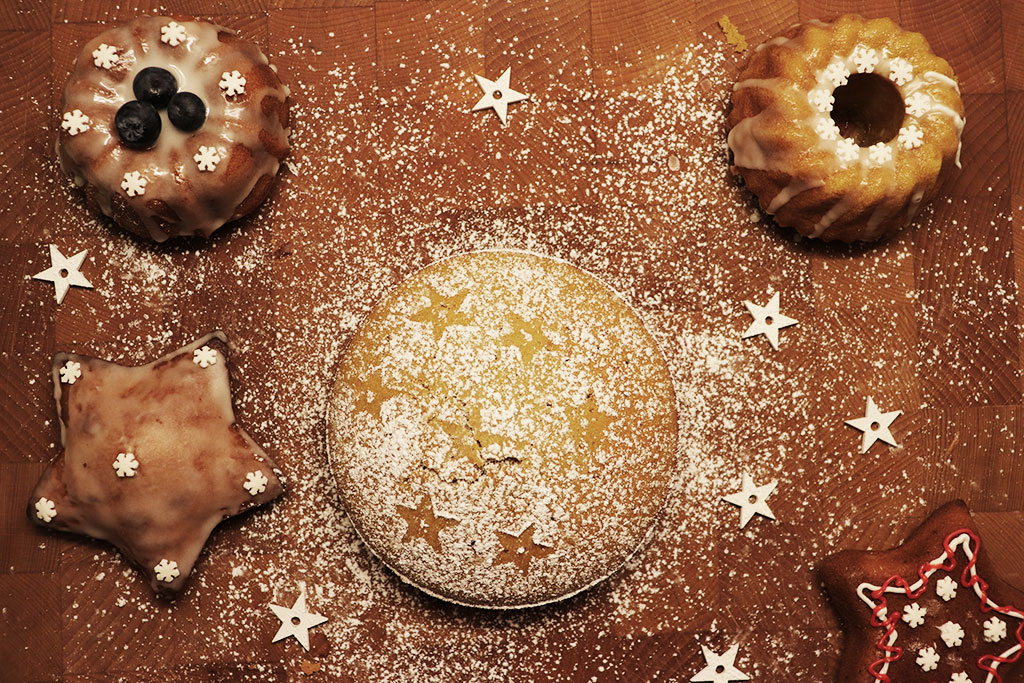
201,204
795,187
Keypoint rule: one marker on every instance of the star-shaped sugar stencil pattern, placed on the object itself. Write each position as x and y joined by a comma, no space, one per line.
875,425
721,668
767,320
296,621
64,273
498,94
752,500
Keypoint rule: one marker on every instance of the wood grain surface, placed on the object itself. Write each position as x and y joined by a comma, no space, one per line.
389,171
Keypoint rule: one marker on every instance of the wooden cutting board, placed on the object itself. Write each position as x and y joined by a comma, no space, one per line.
617,163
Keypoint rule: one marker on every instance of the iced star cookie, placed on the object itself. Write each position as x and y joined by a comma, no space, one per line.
503,430
152,458
929,610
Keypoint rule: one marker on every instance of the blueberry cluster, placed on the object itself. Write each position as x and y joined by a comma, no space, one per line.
138,122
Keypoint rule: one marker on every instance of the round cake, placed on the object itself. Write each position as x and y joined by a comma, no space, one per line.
173,127
503,430
842,130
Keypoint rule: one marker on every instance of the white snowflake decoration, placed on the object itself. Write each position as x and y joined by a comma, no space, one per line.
105,56
913,615
995,630
232,83
822,100
952,634
918,104
879,153
166,571
125,464
255,482
45,509
911,137
70,373
173,34
837,72
865,59
928,659
848,151
204,357
945,588
961,677
75,122
827,129
134,184
207,158
900,71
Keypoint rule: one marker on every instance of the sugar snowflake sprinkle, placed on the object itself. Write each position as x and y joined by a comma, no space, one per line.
125,464
879,153
848,151
865,58
900,71
45,509
952,634
207,158
204,357
75,122
166,571
255,482
837,72
822,100
961,677
945,588
134,184
928,659
173,34
918,104
70,373
913,615
911,137
105,56
232,83
995,630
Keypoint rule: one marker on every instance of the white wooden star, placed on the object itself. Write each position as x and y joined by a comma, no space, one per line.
767,320
296,621
875,425
64,272
498,94
720,668
752,500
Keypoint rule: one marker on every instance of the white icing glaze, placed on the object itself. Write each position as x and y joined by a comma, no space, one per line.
795,187
202,204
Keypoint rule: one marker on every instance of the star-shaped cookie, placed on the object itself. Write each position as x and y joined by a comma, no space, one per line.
152,457
928,610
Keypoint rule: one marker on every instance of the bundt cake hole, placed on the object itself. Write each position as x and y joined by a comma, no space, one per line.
868,109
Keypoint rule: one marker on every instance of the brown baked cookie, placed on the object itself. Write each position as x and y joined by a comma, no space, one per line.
152,457
928,611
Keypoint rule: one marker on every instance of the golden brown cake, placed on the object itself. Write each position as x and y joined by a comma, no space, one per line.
503,430
842,130
173,127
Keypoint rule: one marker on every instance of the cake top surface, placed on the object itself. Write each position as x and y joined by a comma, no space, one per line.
503,429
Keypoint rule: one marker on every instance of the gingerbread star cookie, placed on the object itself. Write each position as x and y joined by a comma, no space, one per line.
929,610
152,457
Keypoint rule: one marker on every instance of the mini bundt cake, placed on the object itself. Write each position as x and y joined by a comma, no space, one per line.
503,430
173,127
842,130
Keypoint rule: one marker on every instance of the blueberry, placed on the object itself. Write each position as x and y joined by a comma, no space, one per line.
186,111
138,124
154,85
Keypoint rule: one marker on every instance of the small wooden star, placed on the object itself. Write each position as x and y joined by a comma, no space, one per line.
441,312
421,522
521,549
752,500
875,425
767,320
296,621
193,460
721,668
64,273
498,94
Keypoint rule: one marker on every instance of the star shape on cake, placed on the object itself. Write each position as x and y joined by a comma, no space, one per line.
441,312
296,621
527,336
767,320
875,425
873,591
152,459
422,522
721,668
498,94
752,499
64,273
520,550
588,422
